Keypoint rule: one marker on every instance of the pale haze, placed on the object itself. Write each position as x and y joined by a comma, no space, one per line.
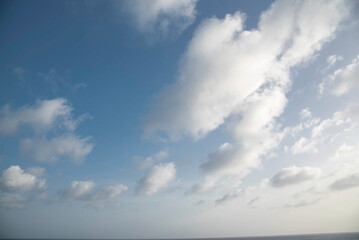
178,119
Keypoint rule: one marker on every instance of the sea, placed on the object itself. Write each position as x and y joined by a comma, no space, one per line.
330,236
326,236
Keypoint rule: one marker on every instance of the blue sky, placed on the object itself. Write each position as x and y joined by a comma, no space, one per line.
170,119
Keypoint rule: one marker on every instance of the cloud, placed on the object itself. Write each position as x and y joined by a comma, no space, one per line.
54,80
14,179
304,146
343,79
294,175
331,60
241,77
144,163
67,145
158,177
224,64
344,183
253,200
165,16
47,117
347,152
352,112
43,116
15,182
230,197
85,191
320,131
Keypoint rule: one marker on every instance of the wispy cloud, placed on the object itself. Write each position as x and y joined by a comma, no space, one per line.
164,17
156,178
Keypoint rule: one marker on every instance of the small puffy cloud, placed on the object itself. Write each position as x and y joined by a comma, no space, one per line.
144,163
86,191
304,146
165,16
230,197
331,60
320,131
343,80
67,145
294,175
18,186
43,116
347,182
110,191
347,152
14,179
78,190
158,177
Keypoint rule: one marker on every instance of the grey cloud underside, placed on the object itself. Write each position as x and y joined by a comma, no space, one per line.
344,183
294,175
230,197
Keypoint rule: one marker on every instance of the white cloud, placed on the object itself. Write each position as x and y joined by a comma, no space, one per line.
14,179
347,182
162,15
43,116
294,175
85,191
78,190
343,80
158,177
225,64
67,145
304,146
331,60
320,131
347,152
231,73
15,182
144,163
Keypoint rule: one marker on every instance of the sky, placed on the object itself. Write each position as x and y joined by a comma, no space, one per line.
178,119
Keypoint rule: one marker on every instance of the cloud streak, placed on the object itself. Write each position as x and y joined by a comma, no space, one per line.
165,17
86,191
294,175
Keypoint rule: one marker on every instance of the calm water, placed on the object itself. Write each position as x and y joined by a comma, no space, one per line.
332,236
